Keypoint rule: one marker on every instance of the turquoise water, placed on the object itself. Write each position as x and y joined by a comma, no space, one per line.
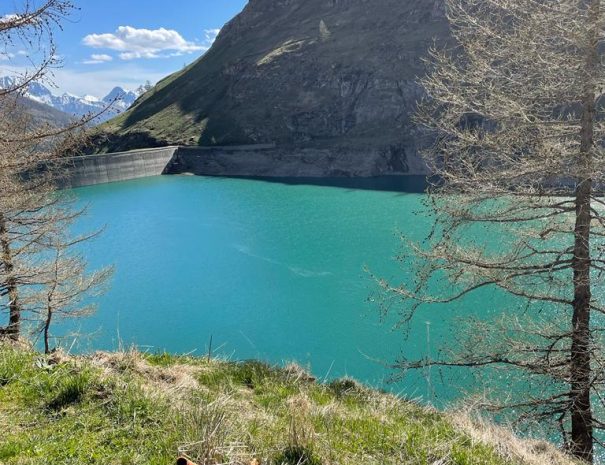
266,270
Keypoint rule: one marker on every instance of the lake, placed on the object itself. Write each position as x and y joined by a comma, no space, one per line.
269,270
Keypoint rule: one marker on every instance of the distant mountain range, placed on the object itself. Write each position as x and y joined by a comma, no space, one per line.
42,114
119,99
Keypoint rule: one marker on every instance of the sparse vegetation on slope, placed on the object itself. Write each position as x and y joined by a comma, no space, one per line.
304,73
130,408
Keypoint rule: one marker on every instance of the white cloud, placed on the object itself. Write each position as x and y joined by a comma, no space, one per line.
97,58
7,18
23,17
5,56
143,43
143,54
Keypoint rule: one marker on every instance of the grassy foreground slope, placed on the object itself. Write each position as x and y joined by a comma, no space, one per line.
130,408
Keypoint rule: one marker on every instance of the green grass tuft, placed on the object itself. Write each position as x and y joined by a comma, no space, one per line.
344,386
68,390
12,364
297,455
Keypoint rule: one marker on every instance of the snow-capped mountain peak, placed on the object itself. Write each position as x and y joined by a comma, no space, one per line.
118,99
39,90
91,99
122,97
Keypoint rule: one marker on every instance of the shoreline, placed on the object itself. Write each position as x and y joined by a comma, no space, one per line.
264,162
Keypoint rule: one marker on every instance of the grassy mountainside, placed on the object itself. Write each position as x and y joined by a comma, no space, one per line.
310,73
129,408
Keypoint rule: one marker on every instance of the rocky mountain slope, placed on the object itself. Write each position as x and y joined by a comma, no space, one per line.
330,75
118,99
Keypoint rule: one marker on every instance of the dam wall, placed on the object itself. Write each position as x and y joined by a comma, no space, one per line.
265,160
112,167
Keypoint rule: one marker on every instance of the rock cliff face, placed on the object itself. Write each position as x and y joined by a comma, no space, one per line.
326,75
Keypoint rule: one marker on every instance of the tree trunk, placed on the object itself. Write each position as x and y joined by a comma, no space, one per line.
582,440
581,409
49,316
13,330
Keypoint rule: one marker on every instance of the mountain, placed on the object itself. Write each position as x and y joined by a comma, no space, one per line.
334,75
42,114
119,99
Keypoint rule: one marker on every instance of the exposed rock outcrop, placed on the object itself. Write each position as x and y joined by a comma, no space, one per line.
327,75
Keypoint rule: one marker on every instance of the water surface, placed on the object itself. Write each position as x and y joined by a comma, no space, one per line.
267,270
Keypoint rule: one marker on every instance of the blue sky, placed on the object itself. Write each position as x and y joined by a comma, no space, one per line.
110,42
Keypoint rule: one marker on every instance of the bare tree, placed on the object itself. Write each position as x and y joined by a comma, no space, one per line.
34,216
513,103
67,288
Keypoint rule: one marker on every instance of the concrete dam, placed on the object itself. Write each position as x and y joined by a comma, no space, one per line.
265,160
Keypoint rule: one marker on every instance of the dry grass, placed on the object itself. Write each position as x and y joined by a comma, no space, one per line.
506,443
174,382
130,408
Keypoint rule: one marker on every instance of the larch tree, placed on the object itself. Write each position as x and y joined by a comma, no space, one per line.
514,107
66,288
34,216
